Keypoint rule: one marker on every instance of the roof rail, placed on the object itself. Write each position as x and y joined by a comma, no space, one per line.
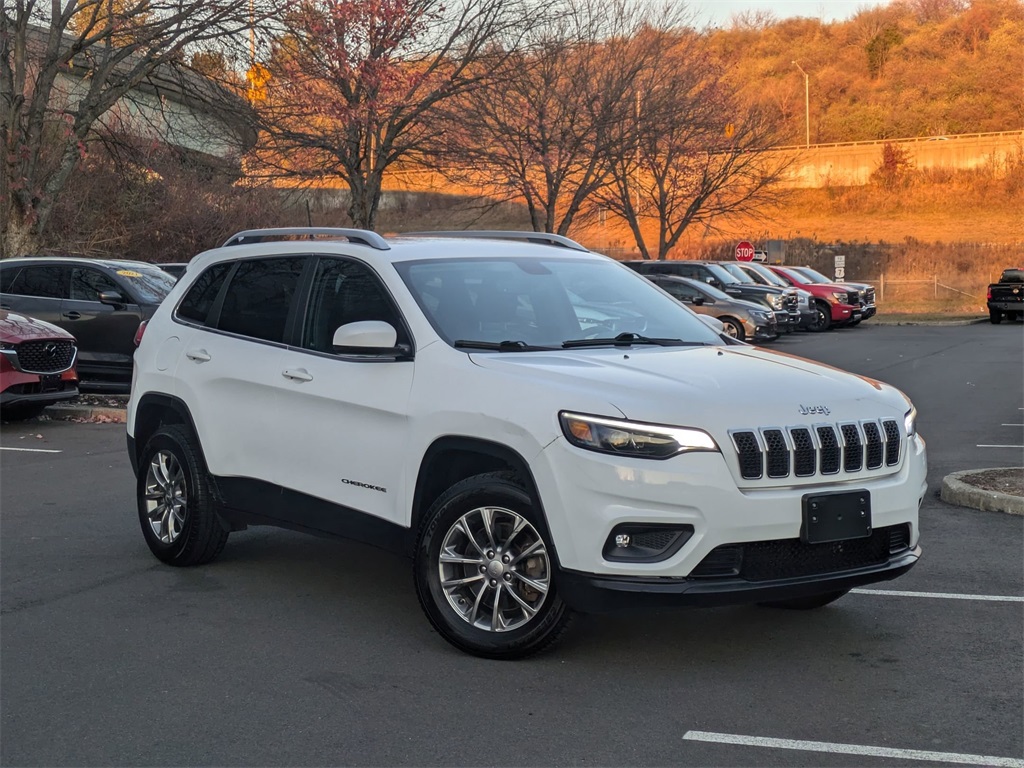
358,236
496,234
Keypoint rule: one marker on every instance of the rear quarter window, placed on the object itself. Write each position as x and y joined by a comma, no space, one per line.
196,306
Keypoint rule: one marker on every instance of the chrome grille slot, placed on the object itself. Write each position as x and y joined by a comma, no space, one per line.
853,448
749,452
804,454
830,453
777,452
875,449
892,442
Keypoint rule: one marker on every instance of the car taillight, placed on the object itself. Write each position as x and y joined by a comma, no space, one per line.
138,333
988,295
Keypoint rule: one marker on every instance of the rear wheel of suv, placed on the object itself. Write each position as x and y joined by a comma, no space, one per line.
484,570
733,328
807,603
822,317
176,506
995,316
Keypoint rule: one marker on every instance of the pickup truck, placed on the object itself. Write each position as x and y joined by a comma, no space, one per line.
1007,296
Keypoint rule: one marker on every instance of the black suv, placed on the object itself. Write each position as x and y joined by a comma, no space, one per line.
100,302
782,301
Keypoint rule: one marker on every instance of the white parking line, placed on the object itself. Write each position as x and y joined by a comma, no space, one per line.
852,749
941,595
1013,425
1001,446
29,450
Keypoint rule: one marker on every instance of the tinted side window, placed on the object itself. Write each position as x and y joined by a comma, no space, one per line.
44,282
87,284
259,297
679,290
345,292
8,276
198,302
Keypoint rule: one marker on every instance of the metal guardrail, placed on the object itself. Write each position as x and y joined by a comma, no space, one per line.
907,140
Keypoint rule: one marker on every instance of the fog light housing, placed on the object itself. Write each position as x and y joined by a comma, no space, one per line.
645,542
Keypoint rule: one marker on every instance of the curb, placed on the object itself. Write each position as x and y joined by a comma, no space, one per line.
939,323
956,491
88,413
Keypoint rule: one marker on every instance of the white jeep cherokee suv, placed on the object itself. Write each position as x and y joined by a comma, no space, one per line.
543,429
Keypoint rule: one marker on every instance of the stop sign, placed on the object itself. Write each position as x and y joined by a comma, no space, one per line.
744,251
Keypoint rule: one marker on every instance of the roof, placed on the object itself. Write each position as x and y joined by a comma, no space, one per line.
109,263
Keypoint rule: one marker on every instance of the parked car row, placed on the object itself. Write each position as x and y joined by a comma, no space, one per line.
795,297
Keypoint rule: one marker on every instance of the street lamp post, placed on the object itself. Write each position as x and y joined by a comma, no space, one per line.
807,107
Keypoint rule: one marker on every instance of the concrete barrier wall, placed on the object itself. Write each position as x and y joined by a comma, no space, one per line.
852,164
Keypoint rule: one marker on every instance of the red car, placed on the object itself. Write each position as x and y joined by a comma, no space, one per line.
37,366
833,304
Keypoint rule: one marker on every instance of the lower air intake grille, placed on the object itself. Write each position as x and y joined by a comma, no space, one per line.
792,558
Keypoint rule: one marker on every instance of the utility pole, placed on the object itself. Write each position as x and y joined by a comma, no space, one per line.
807,107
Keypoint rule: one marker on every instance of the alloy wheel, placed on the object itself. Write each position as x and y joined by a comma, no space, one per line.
166,499
494,569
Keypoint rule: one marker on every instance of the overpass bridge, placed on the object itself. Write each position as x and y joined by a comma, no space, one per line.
852,163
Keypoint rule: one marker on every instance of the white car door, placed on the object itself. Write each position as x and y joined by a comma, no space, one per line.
344,421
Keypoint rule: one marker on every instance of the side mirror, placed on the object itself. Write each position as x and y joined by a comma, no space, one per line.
713,323
367,337
113,299
698,301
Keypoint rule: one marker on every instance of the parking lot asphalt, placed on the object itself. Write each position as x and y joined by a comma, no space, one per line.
292,650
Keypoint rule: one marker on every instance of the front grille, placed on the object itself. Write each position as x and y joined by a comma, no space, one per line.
824,449
869,296
853,298
791,302
792,558
45,356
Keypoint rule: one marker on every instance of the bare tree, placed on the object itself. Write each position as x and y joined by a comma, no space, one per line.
545,132
697,156
67,66
355,84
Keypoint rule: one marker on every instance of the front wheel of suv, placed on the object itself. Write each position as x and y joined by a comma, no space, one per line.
822,317
176,506
484,570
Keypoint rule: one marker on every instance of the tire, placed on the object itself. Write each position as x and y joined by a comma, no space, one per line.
822,318
21,412
995,316
734,328
807,603
176,507
524,619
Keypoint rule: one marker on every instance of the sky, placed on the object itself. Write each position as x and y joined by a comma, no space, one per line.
718,12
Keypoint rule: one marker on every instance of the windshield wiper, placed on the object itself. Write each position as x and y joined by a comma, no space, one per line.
627,339
498,346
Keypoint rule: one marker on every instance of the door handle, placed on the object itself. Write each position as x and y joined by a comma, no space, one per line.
198,355
71,315
298,374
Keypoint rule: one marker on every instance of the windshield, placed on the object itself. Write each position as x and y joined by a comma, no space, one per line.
544,303
737,272
770,277
724,277
149,284
812,275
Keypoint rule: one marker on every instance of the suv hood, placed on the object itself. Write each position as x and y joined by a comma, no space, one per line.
710,387
15,328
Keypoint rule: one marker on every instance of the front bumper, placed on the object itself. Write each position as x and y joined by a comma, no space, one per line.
14,396
845,313
597,594
868,311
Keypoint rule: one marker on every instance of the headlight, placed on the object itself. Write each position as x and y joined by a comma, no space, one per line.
630,438
775,301
910,421
840,296
759,314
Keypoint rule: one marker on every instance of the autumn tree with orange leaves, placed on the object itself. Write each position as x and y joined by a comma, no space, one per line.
354,85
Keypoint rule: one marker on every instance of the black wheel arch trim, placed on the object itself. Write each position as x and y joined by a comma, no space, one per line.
491,449
146,403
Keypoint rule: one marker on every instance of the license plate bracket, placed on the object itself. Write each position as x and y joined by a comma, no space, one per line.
50,382
835,516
